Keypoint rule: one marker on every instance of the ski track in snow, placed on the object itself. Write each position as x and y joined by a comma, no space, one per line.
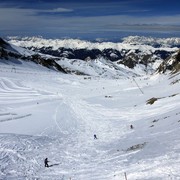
56,116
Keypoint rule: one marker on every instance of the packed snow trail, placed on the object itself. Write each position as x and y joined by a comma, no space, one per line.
66,111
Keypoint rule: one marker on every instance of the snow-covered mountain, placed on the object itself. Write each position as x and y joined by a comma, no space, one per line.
132,53
134,56
155,42
126,43
14,55
47,114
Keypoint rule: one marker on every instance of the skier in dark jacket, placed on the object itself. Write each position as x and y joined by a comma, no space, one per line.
95,137
46,162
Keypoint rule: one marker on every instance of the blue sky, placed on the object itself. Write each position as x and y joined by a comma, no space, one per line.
90,19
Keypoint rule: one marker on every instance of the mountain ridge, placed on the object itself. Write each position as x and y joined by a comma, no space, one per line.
131,52
18,54
127,42
130,59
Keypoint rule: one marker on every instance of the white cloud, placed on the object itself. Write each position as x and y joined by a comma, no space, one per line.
60,10
16,19
57,10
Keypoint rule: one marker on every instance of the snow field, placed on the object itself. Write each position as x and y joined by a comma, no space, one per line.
53,115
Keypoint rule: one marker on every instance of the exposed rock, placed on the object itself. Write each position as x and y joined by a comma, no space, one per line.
172,63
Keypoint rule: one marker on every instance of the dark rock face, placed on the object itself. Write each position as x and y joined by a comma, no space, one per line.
3,43
162,54
48,62
172,63
6,45
82,54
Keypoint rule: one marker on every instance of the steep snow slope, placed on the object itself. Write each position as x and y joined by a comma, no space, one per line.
14,55
100,67
54,115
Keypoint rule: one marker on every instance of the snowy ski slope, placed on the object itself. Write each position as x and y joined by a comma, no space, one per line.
48,114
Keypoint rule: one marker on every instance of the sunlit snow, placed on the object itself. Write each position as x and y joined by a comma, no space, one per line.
49,114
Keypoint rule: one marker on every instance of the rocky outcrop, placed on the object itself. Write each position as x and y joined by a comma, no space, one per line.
172,63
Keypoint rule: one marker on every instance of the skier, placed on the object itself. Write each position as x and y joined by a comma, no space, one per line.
131,126
46,162
95,137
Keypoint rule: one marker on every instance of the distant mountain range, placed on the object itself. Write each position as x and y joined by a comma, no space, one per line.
134,56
